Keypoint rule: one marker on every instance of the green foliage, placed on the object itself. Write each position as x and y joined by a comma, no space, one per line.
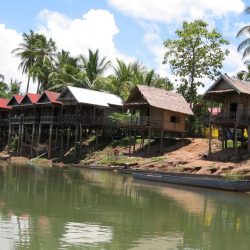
121,118
233,176
93,66
197,53
7,90
245,44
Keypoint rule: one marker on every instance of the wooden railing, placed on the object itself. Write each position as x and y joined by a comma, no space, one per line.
45,119
30,119
143,121
4,122
68,119
230,117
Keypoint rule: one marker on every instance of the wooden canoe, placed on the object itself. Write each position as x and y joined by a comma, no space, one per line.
204,182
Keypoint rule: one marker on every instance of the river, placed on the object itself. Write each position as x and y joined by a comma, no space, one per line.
52,208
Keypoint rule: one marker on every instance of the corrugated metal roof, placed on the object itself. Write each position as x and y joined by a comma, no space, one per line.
52,96
94,97
164,99
18,98
4,103
32,97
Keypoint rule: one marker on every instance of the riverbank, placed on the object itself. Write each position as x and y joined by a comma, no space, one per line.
180,156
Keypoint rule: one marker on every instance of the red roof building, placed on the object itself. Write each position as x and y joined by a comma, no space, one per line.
15,100
4,104
49,96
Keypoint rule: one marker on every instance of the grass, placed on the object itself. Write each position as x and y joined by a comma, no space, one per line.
233,177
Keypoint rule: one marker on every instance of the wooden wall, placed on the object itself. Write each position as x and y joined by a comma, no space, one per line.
168,123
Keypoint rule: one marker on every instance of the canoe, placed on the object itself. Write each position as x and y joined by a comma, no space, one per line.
215,183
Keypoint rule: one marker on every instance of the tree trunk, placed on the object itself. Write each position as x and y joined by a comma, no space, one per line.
28,84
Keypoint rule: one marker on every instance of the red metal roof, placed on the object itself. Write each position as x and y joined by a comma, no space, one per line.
3,103
33,97
19,98
52,96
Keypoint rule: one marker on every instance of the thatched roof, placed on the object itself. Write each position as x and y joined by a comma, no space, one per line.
234,85
162,99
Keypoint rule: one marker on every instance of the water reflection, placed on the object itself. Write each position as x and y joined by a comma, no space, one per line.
81,234
83,209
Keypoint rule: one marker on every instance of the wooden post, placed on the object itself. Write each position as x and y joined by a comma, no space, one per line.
56,136
222,138
161,144
50,139
61,146
22,135
248,140
39,133
80,138
32,140
130,140
76,136
19,140
134,141
143,139
149,138
68,138
210,131
9,137
96,139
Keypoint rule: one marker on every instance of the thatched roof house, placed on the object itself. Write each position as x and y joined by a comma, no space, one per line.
159,108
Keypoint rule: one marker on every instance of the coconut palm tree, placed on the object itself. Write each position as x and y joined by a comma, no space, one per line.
244,74
66,73
245,45
94,66
44,61
27,53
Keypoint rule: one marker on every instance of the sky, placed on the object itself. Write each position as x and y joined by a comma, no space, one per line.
126,29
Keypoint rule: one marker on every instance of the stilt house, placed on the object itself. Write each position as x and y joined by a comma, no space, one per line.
4,112
158,109
15,110
234,97
87,107
4,121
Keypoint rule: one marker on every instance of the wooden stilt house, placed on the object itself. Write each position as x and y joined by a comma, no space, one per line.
234,97
87,107
49,110
158,109
4,120
24,116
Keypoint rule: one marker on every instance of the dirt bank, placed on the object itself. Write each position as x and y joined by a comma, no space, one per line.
180,155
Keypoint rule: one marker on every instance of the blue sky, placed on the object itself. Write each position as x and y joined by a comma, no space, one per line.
128,29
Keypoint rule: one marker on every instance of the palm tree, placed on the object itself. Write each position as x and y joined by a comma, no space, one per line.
245,45
66,73
44,64
94,66
244,74
27,53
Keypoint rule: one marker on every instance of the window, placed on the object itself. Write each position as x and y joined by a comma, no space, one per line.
175,119
233,107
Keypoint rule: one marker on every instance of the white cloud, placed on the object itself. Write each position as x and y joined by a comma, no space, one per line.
9,63
95,30
176,10
233,63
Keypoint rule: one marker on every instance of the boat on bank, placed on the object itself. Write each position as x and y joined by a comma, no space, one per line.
203,182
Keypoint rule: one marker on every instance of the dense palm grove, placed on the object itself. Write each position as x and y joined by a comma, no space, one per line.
54,70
